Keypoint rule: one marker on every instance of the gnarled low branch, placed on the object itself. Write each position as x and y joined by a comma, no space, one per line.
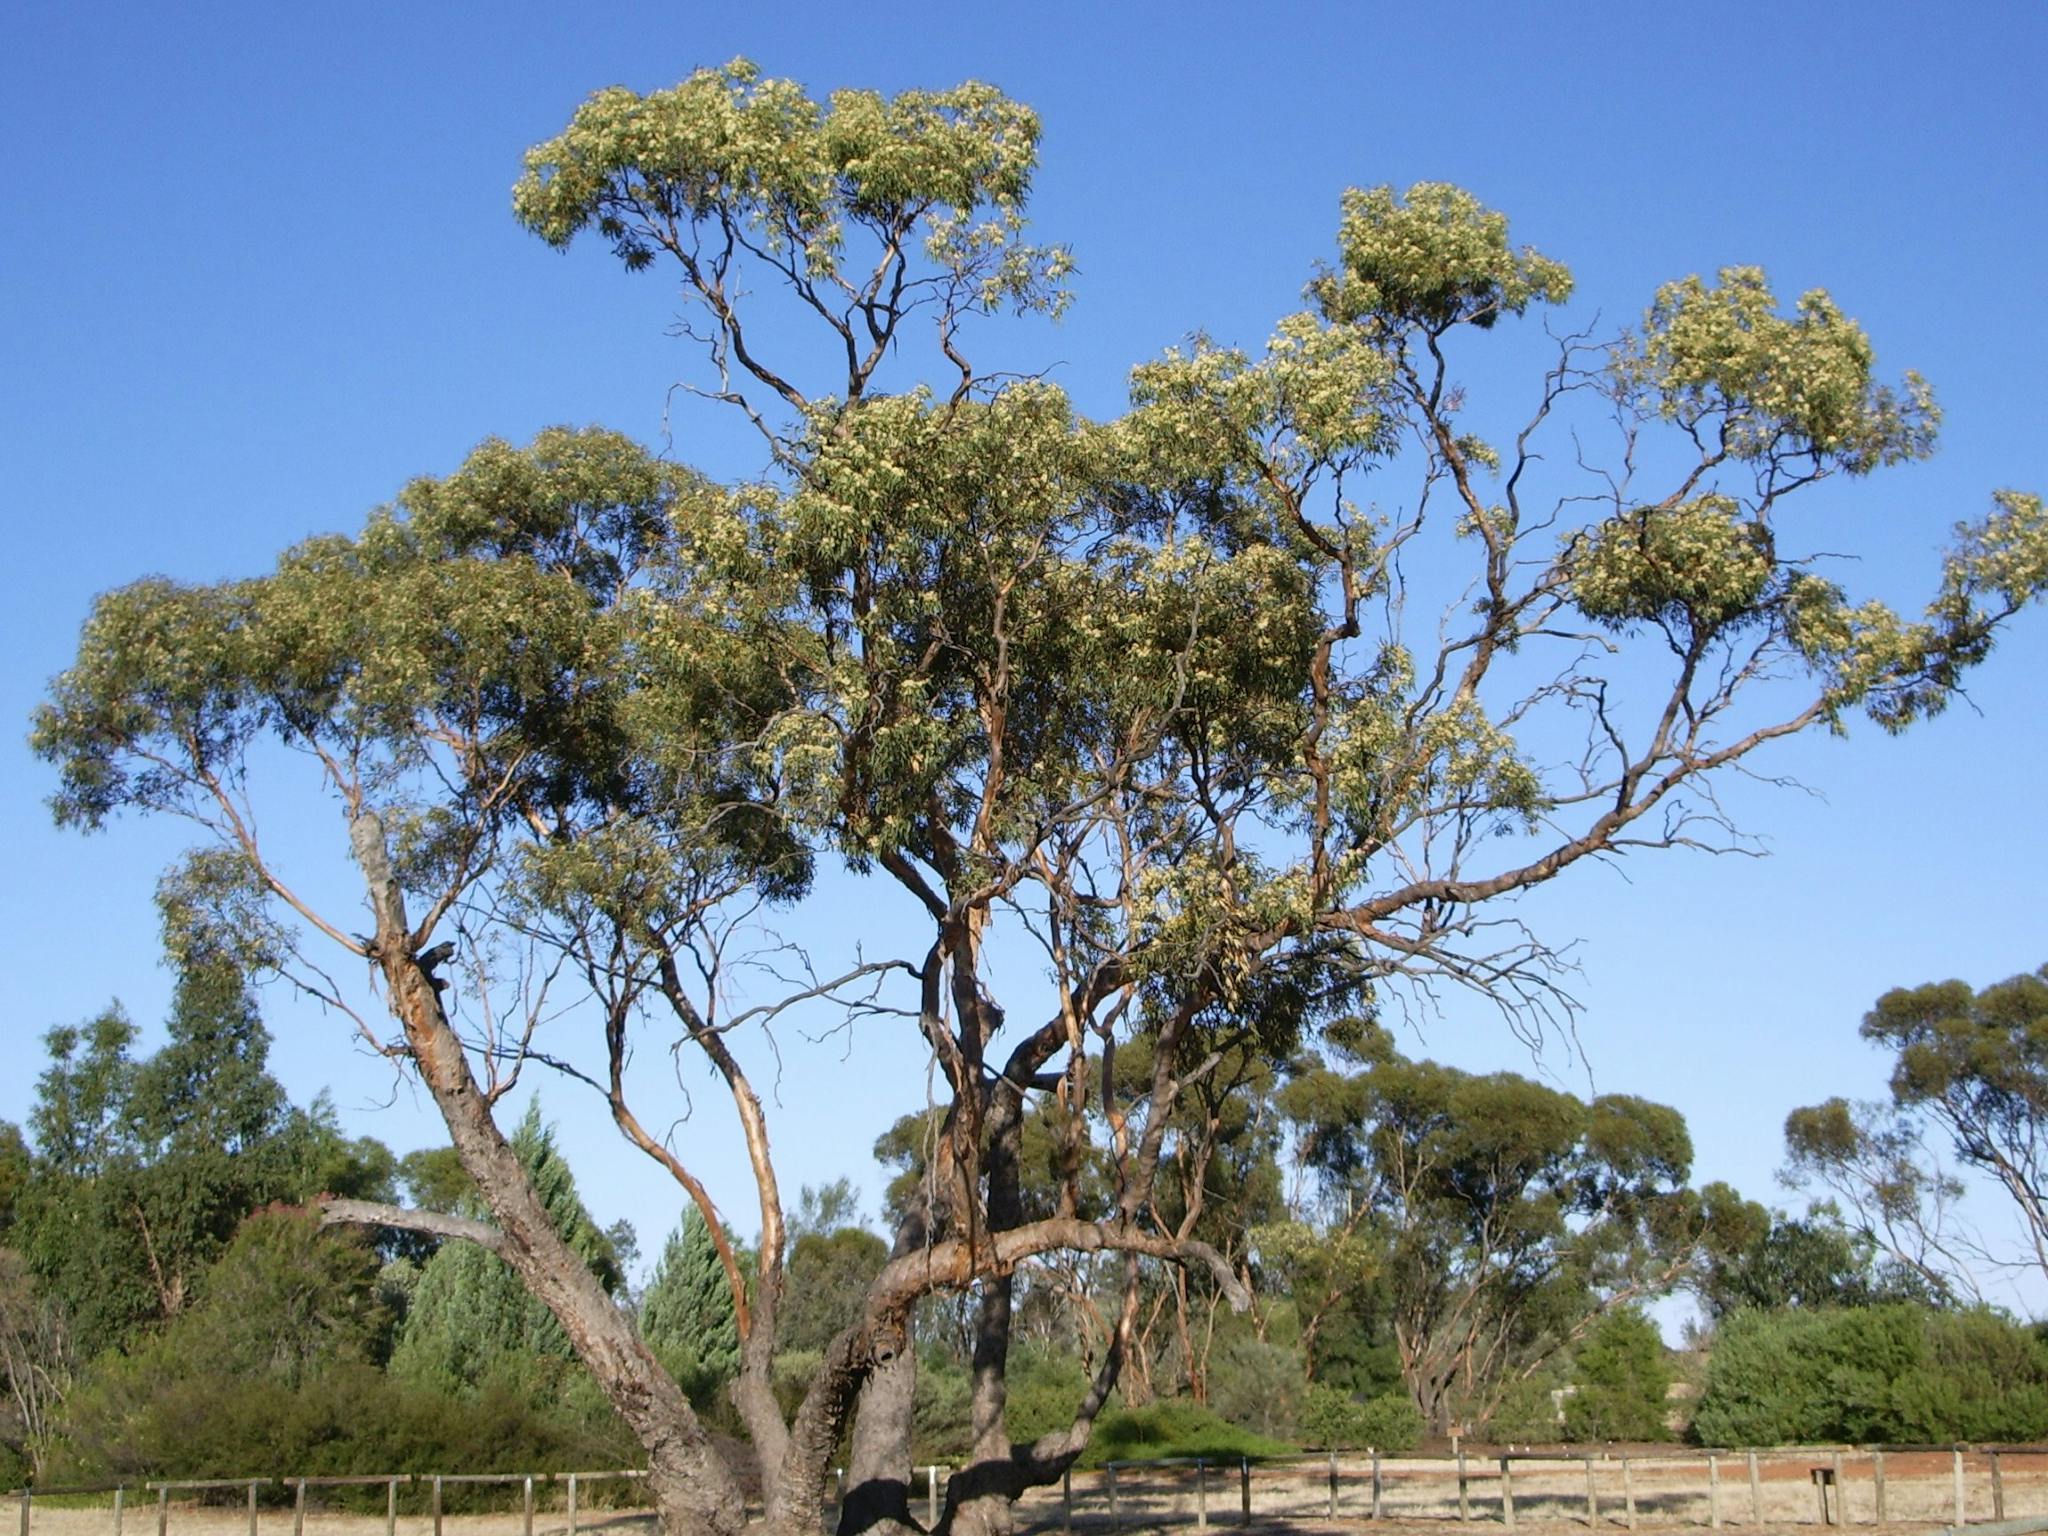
373,1213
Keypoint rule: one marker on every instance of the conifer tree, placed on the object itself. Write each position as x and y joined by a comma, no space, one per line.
687,1316
471,1320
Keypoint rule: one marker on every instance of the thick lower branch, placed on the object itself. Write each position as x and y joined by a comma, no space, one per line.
336,1212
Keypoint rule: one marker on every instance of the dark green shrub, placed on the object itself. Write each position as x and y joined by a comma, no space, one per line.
942,1411
1045,1389
1257,1386
1622,1373
1390,1423
1173,1428
1331,1419
1335,1420
1892,1374
350,1419
1528,1413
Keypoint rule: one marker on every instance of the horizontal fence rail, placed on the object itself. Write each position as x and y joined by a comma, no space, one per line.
1926,1485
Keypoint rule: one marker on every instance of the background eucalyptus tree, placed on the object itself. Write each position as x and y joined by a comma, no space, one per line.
1504,1219
1970,1070
1235,714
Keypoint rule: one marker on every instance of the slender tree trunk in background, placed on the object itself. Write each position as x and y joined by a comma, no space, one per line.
1198,1388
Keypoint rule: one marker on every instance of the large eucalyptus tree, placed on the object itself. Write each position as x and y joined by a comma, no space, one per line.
1154,700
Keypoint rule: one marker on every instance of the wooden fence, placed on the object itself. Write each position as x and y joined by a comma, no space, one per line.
435,1485
1713,1489
1710,1488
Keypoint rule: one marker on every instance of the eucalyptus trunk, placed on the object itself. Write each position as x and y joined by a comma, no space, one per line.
692,1489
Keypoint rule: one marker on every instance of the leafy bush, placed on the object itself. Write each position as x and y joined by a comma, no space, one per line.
1622,1373
1257,1386
1175,1427
1335,1420
129,1423
1045,1387
1330,1418
276,1367
1892,1374
942,1427
1528,1414
1391,1423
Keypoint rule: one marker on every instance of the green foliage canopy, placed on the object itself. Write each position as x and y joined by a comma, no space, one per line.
1895,1374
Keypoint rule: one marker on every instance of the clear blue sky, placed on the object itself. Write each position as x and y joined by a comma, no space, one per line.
259,269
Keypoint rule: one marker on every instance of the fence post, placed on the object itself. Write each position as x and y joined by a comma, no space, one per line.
1507,1493
120,1500
1997,1489
252,1507
1333,1487
526,1506
931,1495
1116,1514
1376,1484
299,1509
27,1496
1201,1494
1713,1492
437,1508
1877,1481
1756,1493
1066,1499
1592,1497
572,1506
1244,1485
1956,1465
1628,1494
390,1507
1464,1503
163,1509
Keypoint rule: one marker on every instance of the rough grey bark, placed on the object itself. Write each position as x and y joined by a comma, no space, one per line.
878,1469
982,1499
878,1466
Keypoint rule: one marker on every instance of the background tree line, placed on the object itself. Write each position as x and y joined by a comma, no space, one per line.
1431,1251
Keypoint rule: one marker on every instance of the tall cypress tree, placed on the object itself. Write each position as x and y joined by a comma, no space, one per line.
470,1319
687,1315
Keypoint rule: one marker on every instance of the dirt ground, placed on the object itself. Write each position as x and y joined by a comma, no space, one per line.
1418,1497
